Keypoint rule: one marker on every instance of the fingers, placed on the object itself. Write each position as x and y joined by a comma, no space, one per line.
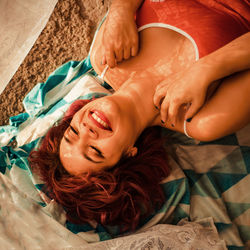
173,111
114,53
119,55
164,110
194,108
160,101
126,53
135,45
110,58
134,49
169,105
119,38
158,96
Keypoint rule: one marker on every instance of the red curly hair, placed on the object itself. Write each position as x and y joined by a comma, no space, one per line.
122,195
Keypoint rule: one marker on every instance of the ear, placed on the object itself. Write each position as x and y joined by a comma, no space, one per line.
132,151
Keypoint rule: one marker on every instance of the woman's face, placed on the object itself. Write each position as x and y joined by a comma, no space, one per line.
98,135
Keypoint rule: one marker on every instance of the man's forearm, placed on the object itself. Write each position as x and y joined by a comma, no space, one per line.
130,5
231,58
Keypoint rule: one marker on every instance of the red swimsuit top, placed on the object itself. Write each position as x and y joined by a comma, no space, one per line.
209,24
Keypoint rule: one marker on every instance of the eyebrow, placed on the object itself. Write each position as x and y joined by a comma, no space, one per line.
85,156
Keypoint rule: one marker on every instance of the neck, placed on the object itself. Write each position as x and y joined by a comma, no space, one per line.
137,100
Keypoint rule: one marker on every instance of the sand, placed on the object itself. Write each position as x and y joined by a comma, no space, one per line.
67,36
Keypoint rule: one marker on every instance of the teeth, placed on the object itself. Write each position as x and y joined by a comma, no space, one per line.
103,123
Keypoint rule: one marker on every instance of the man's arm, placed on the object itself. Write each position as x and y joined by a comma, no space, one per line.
128,5
120,36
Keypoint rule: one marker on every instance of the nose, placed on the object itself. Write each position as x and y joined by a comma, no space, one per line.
88,131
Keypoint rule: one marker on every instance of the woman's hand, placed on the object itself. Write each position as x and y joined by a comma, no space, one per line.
187,88
120,36
191,86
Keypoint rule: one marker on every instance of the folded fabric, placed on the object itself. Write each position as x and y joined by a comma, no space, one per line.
29,228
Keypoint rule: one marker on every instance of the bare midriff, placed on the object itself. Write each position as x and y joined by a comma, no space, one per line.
161,52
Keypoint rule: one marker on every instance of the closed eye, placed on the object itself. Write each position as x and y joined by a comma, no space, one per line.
73,130
98,151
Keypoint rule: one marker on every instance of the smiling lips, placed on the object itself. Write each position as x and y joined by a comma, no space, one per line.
100,120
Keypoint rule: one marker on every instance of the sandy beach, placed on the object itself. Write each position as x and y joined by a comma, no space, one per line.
67,36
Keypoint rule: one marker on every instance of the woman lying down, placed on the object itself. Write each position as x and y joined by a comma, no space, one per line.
105,160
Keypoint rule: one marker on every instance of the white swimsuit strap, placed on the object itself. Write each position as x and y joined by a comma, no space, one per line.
101,77
185,129
104,72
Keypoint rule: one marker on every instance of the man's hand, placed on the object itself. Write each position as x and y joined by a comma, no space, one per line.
120,36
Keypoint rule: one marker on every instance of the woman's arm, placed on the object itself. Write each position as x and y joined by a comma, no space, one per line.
190,86
233,57
120,36
227,111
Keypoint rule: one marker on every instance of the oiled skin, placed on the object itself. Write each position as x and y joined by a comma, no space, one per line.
226,111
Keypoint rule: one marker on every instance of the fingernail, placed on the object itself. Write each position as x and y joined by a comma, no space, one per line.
172,125
189,119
